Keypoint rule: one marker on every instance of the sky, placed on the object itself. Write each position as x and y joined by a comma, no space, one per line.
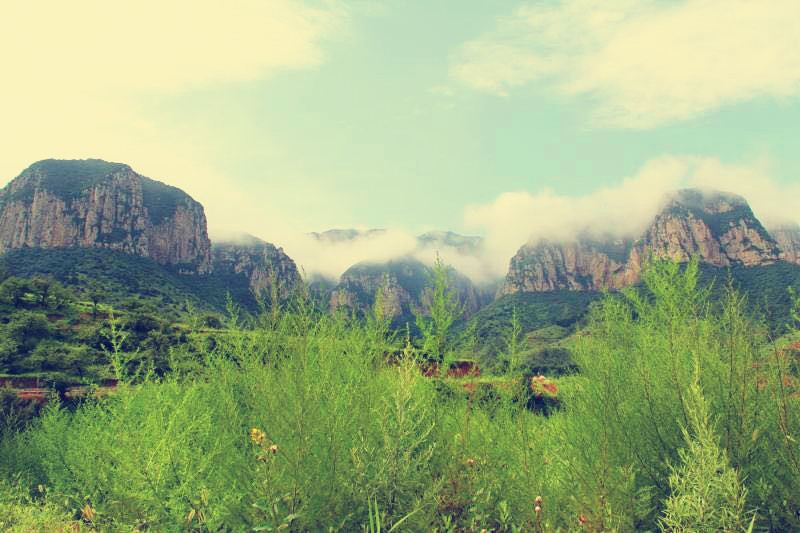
511,120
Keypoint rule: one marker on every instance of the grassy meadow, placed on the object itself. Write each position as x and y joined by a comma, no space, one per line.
683,415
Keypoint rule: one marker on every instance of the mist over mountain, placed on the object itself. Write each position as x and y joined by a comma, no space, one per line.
718,228
62,204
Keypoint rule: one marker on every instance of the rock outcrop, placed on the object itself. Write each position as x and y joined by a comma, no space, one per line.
788,239
718,228
262,263
583,264
96,204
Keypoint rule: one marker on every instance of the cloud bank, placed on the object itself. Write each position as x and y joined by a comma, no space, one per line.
624,210
643,63
514,218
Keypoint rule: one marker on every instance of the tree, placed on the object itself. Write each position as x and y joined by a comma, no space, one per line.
512,341
441,310
706,492
14,289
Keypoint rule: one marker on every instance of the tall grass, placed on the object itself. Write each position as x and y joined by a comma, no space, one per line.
315,422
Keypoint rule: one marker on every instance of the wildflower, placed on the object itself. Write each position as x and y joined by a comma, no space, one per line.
88,513
582,519
537,509
273,449
257,436
538,500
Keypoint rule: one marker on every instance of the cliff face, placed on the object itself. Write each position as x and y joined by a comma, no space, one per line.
260,262
95,204
578,265
718,228
788,239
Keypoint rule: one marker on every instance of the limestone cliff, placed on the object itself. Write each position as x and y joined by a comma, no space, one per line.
97,204
582,264
718,228
788,239
260,262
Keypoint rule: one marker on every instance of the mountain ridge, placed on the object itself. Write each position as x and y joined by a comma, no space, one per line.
717,227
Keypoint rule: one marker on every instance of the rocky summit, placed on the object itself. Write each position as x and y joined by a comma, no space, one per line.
97,204
788,238
718,228
260,262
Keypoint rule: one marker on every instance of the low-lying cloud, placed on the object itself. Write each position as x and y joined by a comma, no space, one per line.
515,218
624,210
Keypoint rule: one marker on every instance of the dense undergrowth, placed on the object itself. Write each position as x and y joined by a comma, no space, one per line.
684,417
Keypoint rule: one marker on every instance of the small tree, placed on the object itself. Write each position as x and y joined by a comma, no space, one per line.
14,289
441,310
707,494
512,341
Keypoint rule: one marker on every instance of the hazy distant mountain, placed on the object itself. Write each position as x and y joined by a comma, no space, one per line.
403,282
465,244
335,236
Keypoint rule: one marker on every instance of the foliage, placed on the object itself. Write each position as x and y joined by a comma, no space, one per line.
637,361
441,309
309,421
706,493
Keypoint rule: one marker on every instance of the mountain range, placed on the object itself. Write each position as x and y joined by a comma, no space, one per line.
93,204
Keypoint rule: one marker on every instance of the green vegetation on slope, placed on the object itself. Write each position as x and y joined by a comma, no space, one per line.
123,279
67,179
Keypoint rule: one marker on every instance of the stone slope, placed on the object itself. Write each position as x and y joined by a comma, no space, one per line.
788,239
719,228
260,262
97,204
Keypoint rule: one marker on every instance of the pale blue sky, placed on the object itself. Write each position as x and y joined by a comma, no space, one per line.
371,124
286,116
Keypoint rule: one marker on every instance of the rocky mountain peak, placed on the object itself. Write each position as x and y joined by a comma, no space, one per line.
262,263
717,227
788,238
98,204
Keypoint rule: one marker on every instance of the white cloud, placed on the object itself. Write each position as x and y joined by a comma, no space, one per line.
96,45
642,62
331,259
623,210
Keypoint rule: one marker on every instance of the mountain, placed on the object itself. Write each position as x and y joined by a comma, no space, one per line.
464,244
717,227
335,236
788,239
403,282
84,220
260,262
403,278
584,264
96,204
